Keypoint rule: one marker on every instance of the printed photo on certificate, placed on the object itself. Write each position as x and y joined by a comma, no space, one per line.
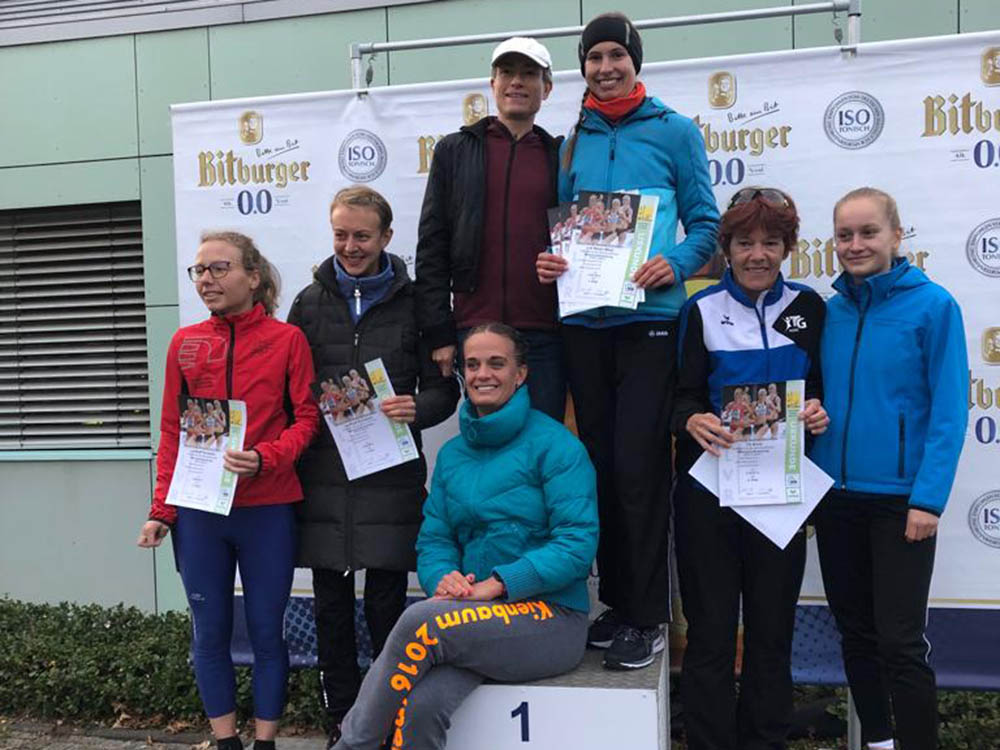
605,238
207,428
763,466
366,439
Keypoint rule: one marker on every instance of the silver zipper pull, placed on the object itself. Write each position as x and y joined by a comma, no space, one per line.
357,300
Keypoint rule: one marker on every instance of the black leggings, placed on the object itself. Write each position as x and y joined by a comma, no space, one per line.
877,585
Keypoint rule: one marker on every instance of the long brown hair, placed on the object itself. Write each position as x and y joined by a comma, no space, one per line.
269,288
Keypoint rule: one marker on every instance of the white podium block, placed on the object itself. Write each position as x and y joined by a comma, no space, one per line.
590,708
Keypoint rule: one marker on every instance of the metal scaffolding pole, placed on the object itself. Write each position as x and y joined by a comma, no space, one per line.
853,7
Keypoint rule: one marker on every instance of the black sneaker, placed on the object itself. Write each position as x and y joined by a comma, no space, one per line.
633,648
602,631
334,736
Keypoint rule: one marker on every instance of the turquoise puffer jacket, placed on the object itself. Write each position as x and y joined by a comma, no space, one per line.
514,494
658,152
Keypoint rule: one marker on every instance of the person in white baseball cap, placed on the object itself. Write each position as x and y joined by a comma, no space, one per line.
484,214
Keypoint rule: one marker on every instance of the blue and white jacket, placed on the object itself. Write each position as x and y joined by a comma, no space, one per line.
656,151
895,369
728,339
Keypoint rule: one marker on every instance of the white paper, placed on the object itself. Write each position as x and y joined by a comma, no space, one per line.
367,440
208,428
764,465
605,238
777,522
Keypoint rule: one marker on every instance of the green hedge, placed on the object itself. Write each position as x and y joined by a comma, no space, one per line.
92,664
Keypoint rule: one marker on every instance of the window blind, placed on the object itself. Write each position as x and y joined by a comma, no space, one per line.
73,366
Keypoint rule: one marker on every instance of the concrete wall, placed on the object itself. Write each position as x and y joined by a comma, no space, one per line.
87,121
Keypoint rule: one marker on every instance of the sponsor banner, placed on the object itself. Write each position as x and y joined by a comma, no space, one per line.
918,118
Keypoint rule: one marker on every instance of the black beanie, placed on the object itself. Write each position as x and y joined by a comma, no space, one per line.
611,28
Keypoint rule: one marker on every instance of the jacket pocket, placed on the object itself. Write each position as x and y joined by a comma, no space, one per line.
901,462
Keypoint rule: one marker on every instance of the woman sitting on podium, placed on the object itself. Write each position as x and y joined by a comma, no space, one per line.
751,329
508,537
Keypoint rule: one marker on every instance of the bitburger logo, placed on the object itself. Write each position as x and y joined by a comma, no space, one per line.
721,90
854,120
983,248
474,108
984,519
990,66
251,127
991,345
362,156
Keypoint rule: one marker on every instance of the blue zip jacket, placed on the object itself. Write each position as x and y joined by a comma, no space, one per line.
895,378
513,494
658,152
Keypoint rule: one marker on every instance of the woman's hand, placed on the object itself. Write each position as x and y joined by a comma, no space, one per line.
455,585
920,524
152,533
241,463
709,431
814,416
550,267
444,358
487,590
653,273
400,408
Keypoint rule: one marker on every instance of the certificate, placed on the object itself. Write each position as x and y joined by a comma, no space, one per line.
367,440
208,427
763,466
605,238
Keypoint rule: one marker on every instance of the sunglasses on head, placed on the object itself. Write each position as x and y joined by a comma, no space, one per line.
768,195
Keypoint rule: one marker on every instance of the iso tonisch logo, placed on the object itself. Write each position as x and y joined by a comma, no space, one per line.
854,120
362,156
984,519
983,248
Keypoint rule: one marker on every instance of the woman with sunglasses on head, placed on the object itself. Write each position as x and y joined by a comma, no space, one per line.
625,140
895,370
739,331
241,352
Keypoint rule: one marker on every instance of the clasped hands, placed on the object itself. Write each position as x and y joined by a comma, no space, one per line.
458,585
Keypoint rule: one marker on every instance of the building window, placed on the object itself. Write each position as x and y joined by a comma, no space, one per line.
73,368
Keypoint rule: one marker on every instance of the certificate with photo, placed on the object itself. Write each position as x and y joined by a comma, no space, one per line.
763,466
208,427
367,440
605,238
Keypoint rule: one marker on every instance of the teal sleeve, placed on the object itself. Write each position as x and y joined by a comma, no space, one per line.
438,551
947,366
570,492
696,207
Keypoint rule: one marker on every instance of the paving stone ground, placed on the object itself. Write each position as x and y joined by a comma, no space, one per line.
29,736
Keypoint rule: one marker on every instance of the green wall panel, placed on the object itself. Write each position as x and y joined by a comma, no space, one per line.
708,40
68,531
161,323
459,17
69,101
978,15
293,55
882,20
156,176
69,184
171,67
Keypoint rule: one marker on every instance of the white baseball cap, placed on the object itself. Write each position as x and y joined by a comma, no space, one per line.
523,45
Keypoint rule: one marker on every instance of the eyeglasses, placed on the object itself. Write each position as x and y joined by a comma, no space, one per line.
769,195
217,269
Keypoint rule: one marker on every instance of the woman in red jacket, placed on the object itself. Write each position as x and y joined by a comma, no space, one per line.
240,352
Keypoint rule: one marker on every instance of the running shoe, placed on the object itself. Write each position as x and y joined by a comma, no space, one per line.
602,631
633,648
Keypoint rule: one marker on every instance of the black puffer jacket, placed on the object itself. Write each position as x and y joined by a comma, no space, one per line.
450,234
373,521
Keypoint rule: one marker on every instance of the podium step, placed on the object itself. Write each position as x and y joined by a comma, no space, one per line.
590,708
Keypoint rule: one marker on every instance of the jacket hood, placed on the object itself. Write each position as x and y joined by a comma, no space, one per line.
771,296
497,428
902,276
326,274
650,107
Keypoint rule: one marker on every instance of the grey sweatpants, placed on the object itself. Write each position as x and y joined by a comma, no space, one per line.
440,650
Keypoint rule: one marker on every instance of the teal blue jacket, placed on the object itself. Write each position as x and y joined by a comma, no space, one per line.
513,495
895,382
658,152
